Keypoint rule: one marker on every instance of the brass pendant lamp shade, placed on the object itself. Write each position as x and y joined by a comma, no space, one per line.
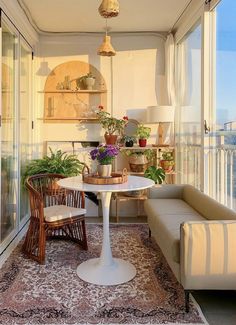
106,49
109,8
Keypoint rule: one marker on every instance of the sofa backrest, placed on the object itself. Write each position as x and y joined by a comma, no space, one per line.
206,206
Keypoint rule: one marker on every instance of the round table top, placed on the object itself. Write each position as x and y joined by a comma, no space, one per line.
134,183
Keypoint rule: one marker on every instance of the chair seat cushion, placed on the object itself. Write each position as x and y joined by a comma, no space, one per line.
60,212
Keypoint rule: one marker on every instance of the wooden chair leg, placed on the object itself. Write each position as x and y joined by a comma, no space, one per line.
186,292
149,233
34,243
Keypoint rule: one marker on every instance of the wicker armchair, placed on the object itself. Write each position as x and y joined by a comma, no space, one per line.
55,213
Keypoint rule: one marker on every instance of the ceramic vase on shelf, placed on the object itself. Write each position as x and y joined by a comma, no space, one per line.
110,138
142,142
129,143
104,170
89,82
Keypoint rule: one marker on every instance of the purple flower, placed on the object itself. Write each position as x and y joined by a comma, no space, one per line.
104,153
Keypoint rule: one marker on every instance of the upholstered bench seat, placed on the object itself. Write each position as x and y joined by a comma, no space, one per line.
60,212
164,218
197,236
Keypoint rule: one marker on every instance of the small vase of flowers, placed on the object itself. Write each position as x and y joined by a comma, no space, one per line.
104,154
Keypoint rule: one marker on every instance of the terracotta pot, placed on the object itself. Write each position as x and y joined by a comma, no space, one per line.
142,142
104,170
110,138
167,165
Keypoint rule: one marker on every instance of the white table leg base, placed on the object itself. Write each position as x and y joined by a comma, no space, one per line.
118,272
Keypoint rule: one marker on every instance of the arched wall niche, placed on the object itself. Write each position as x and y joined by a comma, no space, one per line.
66,96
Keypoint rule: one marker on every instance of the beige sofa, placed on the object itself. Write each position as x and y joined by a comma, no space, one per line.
197,236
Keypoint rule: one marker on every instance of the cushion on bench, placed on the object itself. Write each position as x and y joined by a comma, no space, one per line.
167,215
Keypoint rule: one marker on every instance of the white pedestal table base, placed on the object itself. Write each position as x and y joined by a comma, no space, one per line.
106,270
118,272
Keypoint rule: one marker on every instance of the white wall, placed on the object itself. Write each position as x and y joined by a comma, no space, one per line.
134,77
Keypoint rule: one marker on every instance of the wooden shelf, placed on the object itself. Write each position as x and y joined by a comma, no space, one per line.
95,91
94,120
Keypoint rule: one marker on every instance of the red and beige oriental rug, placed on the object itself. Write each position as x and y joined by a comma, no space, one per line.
53,293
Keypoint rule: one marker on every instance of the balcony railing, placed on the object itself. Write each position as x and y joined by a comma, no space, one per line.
219,169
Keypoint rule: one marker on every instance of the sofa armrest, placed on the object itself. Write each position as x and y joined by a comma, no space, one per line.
166,191
207,255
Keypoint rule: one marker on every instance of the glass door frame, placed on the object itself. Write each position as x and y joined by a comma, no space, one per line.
207,18
26,45
13,30
4,20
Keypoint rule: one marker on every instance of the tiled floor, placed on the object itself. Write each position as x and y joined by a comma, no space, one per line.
219,307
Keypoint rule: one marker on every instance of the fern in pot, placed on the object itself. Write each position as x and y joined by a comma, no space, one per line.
57,162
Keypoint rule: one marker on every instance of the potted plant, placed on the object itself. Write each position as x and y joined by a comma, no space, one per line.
129,140
88,80
167,161
143,133
139,159
57,162
112,126
104,154
157,174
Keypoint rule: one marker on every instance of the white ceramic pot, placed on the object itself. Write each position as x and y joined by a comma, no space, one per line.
89,82
104,170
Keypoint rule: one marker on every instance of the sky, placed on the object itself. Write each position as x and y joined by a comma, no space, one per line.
226,61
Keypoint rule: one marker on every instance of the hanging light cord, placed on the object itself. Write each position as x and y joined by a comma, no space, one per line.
106,26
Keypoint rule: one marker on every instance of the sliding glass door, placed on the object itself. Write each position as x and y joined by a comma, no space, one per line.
24,122
222,179
8,134
15,132
188,135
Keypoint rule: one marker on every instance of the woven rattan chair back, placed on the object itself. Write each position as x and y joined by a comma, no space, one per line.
44,192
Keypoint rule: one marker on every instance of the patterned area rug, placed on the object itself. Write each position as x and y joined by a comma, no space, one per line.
53,293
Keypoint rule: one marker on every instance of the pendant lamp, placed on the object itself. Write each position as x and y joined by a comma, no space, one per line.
109,8
106,49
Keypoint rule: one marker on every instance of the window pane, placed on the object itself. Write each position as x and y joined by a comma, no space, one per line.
189,108
224,138
8,135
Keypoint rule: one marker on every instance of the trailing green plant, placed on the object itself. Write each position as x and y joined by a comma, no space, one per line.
150,154
167,156
157,174
57,162
143,132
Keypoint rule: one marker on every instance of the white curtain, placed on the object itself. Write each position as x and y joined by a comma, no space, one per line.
170,69
170,84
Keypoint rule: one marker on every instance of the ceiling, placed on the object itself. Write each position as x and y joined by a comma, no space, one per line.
82,15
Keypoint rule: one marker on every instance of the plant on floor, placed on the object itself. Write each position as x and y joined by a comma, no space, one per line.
57,162
157,174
